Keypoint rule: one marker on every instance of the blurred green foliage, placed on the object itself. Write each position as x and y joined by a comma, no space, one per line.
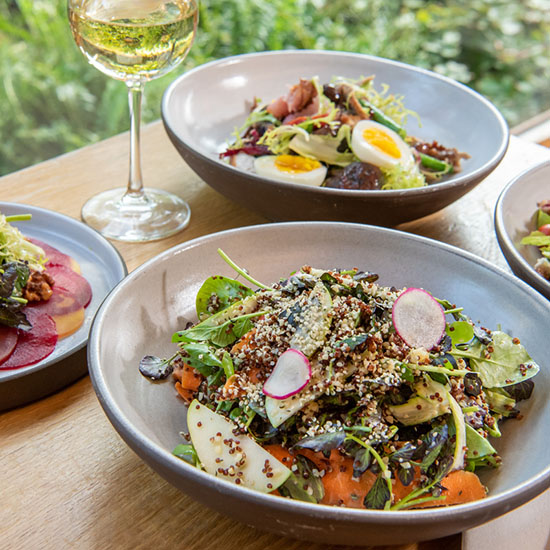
52,101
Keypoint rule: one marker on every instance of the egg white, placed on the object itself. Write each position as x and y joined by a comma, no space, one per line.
266,166
367,152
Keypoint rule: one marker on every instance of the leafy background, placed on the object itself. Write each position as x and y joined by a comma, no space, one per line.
52,101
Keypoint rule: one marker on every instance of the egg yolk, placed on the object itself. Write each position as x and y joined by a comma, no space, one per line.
381,141
295,165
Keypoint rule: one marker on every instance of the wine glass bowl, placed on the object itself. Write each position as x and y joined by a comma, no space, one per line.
134,41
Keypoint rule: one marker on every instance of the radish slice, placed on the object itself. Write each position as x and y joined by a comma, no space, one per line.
418,318
291,373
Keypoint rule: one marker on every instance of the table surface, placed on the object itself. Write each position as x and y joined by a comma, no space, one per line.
67,480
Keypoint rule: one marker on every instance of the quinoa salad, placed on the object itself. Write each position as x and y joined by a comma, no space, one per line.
330,388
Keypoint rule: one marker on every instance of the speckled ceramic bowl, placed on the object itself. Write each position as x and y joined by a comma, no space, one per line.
202,108
141,314
515,219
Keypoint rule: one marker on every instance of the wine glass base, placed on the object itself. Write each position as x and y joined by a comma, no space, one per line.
140,217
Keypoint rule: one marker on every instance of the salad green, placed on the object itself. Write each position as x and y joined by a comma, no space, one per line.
343,134
541,238
17,257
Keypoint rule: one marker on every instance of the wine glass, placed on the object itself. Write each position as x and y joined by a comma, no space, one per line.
135,41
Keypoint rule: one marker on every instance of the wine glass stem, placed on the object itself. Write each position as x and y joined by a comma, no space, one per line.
135,182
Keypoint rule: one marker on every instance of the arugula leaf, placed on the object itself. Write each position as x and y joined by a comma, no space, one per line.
219,334
218,293
202,357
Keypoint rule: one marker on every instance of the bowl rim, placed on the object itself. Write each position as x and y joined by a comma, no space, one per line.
156,453
505,241
458,181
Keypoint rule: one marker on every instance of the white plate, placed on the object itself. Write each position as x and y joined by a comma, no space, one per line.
101,265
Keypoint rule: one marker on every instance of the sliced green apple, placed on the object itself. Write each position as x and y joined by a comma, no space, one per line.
236,458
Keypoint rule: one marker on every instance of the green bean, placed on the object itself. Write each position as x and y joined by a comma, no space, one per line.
435,164
383,119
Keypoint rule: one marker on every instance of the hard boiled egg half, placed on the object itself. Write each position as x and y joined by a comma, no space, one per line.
379,145
291,168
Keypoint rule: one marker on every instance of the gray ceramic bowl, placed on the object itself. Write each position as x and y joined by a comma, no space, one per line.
141,314
515,219
202,108
102,266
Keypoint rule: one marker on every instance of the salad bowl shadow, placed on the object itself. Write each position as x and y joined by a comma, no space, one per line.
202,108
140,315
515,219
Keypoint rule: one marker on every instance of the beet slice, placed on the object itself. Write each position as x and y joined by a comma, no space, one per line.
67,279
53,256
8,341
35,344
61,302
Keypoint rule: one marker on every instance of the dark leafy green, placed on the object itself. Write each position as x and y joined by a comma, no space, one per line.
378,495
155,368
322,443
303,484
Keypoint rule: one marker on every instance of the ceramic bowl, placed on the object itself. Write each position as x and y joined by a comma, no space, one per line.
202,108
141,314
515,218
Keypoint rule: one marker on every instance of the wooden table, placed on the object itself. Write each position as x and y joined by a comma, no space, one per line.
66,478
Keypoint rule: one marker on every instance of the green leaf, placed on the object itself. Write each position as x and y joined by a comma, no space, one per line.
218,293
324,442
186,452
460,332
303,484
202,357
536,238
508,363
378,495
478,446
221,335
227,365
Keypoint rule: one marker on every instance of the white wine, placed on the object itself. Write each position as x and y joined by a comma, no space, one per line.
132,44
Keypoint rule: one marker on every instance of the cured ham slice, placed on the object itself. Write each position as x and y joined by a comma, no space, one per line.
35,344
298,97
8,341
